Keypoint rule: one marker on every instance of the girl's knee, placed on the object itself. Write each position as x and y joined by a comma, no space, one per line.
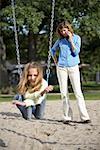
39,116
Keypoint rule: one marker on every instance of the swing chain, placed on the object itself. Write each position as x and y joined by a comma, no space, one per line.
16,39
50,41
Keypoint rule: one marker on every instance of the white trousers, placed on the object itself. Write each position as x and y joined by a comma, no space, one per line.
74,76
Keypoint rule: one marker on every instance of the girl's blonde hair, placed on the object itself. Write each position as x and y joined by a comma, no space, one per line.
64,24
24,85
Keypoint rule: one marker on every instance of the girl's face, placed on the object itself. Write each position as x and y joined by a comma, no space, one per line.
64,32
32,75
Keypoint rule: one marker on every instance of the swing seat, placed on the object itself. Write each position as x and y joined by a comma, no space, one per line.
19,97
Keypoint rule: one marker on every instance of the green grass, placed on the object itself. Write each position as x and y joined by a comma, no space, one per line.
88,96
92,96
86,87
5,98
90,86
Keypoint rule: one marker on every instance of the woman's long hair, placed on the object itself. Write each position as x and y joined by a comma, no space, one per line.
64,24
24,84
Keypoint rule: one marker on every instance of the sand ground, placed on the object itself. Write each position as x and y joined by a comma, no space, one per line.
50,133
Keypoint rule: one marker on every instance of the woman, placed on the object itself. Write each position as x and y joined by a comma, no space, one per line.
69,48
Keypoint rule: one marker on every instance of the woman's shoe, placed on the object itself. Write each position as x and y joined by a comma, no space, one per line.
86,121
66,121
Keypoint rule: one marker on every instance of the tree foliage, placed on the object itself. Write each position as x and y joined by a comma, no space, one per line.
34,16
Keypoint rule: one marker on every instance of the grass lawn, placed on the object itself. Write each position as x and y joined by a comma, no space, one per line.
53,96
91,92
5,98
87,96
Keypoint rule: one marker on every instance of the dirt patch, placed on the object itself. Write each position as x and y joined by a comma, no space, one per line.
50,133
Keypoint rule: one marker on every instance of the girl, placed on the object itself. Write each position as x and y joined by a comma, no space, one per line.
69,48
32,90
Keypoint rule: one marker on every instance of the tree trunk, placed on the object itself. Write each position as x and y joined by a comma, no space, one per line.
3,69
32,47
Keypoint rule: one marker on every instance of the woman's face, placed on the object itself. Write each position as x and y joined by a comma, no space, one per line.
64,32
32,75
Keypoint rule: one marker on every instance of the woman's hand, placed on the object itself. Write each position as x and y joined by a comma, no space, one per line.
69,35
71,40
55,60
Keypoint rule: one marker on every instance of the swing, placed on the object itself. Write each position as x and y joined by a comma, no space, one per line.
50,40
16,39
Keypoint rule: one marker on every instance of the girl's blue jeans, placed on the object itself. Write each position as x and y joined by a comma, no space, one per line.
37,110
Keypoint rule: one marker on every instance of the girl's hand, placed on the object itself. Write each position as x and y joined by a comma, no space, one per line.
49,88
14,102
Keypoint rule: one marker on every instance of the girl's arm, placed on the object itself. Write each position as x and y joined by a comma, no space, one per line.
16,102
44,89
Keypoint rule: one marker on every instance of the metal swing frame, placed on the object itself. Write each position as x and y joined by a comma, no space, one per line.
16,38
50,39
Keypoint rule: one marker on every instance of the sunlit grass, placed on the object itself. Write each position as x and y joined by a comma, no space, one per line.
5,98
87,96
53,96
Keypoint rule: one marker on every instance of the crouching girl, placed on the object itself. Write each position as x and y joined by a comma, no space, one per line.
32,90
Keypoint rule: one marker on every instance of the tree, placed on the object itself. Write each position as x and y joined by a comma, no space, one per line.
34,16
3,69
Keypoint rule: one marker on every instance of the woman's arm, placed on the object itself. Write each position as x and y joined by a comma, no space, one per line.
75,44
53,51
